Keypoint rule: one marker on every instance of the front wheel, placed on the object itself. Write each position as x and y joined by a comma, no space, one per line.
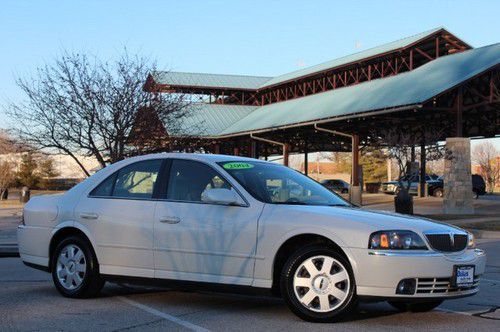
75,270
318,285
415,306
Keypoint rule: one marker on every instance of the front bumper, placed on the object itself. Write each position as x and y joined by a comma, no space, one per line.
378,273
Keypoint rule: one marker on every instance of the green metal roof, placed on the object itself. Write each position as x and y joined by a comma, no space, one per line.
210,119
261,82
410,88
395,45
209,80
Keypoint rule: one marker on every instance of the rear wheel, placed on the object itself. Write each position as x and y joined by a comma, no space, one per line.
318,285
75,270
415,306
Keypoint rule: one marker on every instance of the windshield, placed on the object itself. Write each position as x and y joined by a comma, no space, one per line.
276,184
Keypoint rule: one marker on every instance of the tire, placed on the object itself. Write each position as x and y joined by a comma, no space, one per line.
415,306
438,192
322,306
75,270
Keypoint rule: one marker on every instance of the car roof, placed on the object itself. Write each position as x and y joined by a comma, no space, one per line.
214,158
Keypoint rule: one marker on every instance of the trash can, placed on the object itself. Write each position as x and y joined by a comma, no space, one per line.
25,194
372,187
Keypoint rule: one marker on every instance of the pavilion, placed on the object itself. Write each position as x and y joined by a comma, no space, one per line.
430,78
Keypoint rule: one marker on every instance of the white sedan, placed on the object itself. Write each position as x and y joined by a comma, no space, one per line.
207,220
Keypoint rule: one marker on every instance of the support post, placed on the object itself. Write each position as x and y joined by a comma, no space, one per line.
356,187
423,183
458,112
252,147
286,154
217,148
306,157
236,151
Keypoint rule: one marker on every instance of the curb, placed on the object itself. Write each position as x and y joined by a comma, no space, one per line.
481,234
9,251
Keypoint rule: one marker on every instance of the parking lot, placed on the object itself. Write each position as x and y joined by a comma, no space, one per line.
28,301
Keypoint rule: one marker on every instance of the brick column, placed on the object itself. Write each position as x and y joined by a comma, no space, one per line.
457,177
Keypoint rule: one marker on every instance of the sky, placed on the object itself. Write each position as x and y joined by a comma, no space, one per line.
265,38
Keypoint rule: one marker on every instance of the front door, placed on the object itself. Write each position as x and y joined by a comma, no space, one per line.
201,241
120,215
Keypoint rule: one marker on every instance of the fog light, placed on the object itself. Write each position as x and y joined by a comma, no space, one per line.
406,287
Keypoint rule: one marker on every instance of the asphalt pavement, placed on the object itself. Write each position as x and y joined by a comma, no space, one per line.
28,301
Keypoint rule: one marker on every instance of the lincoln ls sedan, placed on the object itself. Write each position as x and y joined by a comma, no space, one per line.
215,220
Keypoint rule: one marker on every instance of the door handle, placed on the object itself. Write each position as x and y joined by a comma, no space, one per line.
89,215
170,220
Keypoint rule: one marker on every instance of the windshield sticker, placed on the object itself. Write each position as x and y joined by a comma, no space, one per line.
237,165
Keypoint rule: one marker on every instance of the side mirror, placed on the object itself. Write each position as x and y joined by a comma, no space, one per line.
221,196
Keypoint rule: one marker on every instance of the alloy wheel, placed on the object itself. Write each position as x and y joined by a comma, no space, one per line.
321,283
71,267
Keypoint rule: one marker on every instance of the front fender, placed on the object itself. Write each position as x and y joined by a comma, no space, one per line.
265,259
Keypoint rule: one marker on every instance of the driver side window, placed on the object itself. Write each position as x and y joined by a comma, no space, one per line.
188,179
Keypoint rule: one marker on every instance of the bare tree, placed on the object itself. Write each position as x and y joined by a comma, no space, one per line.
399,143
8,144
82,106
487,157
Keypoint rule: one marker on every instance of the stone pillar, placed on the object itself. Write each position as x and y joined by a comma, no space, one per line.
457,177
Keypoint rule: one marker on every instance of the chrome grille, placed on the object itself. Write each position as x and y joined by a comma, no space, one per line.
447,242
441,285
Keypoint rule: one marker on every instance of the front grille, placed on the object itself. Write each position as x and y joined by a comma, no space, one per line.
443,242
441,285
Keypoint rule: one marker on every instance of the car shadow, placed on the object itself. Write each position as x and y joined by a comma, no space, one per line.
234,302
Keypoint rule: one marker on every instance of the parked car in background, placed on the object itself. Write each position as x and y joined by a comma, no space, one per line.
209,219
336,185
393,187
478,186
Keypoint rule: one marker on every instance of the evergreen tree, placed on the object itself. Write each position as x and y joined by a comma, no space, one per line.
27,174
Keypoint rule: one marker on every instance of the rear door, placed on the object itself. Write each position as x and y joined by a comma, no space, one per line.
200,241
120,214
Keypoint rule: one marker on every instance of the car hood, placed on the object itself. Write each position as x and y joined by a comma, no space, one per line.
352,225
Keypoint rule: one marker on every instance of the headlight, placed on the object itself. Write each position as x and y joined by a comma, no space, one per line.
471,242
398,240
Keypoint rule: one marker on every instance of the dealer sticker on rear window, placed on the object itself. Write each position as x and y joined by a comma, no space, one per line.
237,165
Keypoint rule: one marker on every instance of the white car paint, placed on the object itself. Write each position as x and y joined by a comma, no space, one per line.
228,244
